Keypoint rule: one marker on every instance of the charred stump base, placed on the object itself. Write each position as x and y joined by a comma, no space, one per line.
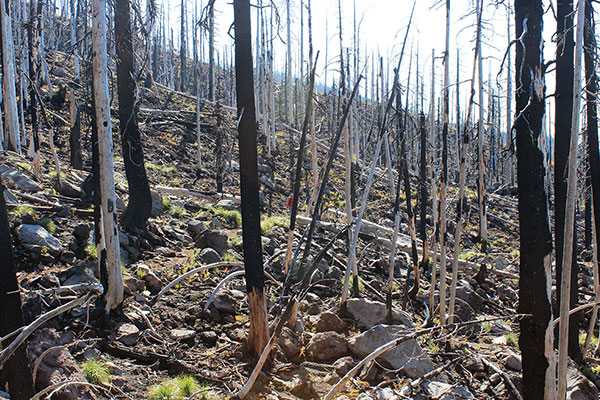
259,328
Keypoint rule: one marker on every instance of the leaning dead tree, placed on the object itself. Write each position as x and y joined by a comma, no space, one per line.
535,279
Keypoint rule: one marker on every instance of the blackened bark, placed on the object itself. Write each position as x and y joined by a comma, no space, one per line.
32,40
249,185
16,372
563,114
592,113
535,238
140,202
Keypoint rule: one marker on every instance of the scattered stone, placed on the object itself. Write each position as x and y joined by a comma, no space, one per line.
153,283
327,346
78,274
328,321
127,334
363,396
208,337
82,231
343,365
302,385
197,227
157,207
445,391
209,256
224,302
310,307
35,238
215,239
267,182
237,334
513,362
465,292
368,313
182,334
579,387
123,239
290,343
14,179
407,355
500,263
475,365
58,365
226,204
68,189
386,394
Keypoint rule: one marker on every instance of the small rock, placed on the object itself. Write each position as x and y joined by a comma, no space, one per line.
327,346
17,180
157,207
343,365
68,189
237,334
446,391
208,337
82,231
407,355
290,343
215,239
328,321
153,283
225,303
466,293
127,334
368,313
209,256
475,365
579,387
267,182
123,239
182,334
513,362
35,238
132,284
302,385
197,227
226,204
500,263
363,396
235,166
386,394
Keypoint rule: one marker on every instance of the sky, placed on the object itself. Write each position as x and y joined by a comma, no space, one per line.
382,26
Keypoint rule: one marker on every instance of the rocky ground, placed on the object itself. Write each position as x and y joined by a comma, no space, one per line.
152,345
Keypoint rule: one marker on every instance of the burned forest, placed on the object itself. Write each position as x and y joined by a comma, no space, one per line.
299,199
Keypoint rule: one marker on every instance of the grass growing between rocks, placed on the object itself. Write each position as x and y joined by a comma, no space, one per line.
96,371
179,388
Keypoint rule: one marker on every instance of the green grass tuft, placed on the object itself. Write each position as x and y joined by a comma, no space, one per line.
48,224
19,211
269,223
180,388
96,371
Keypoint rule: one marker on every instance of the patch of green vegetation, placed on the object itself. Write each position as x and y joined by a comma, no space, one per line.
123,269
25,166
179,388
96,371
19,211
515,253
433,347
467,255
361,286
48,224
177,211
166,203
228,216
230,257
91,250
236,241
593,340
512,339
486,327
596,369
163,169
140,273
267,224
52,174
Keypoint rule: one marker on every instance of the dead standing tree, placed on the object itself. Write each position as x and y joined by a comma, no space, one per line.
536,336
247,132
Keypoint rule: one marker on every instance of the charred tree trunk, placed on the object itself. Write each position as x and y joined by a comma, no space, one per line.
592,114
536,336
140,202
563,112
16,372
247,132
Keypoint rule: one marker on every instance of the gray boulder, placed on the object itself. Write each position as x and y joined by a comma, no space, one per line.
447,391
368,313
209,256
17,180
35,238
407,355
215,239
327,346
